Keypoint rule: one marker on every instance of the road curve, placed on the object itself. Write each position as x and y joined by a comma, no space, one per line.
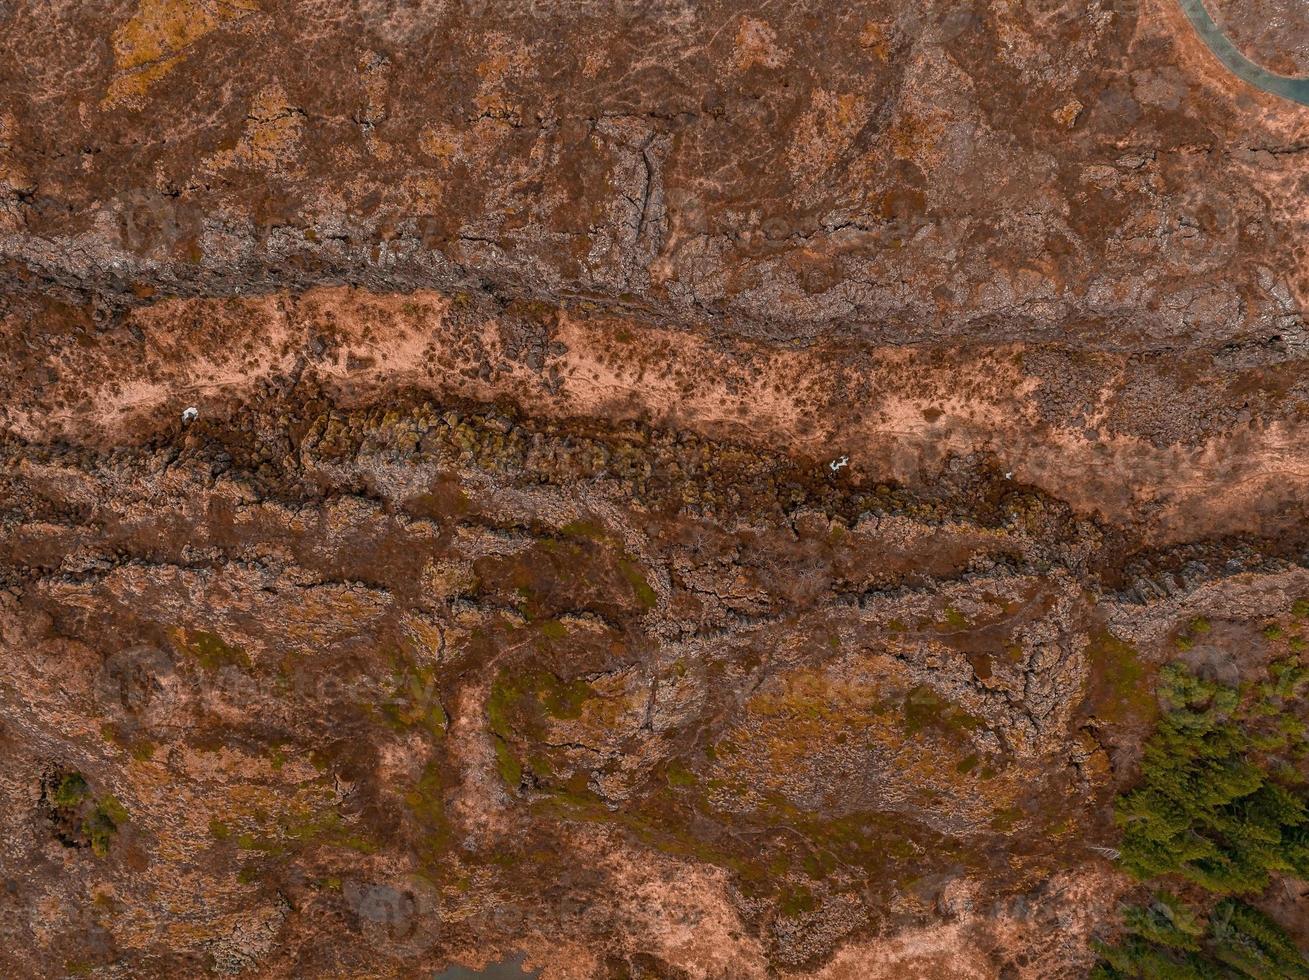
1288,87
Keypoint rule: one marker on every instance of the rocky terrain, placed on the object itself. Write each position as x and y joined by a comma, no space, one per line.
670,489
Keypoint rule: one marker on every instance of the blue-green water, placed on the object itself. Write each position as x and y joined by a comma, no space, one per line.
1288,87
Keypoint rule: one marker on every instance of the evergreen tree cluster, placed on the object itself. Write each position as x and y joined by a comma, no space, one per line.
1222,805
1219,803
1168,940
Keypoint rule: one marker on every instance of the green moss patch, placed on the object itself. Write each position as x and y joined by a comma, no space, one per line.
645,595
925,709
1119,684
213,653
413,700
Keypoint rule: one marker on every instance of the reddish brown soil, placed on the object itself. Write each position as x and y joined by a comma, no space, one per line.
665,489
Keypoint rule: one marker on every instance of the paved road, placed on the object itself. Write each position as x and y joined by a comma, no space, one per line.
1295,89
